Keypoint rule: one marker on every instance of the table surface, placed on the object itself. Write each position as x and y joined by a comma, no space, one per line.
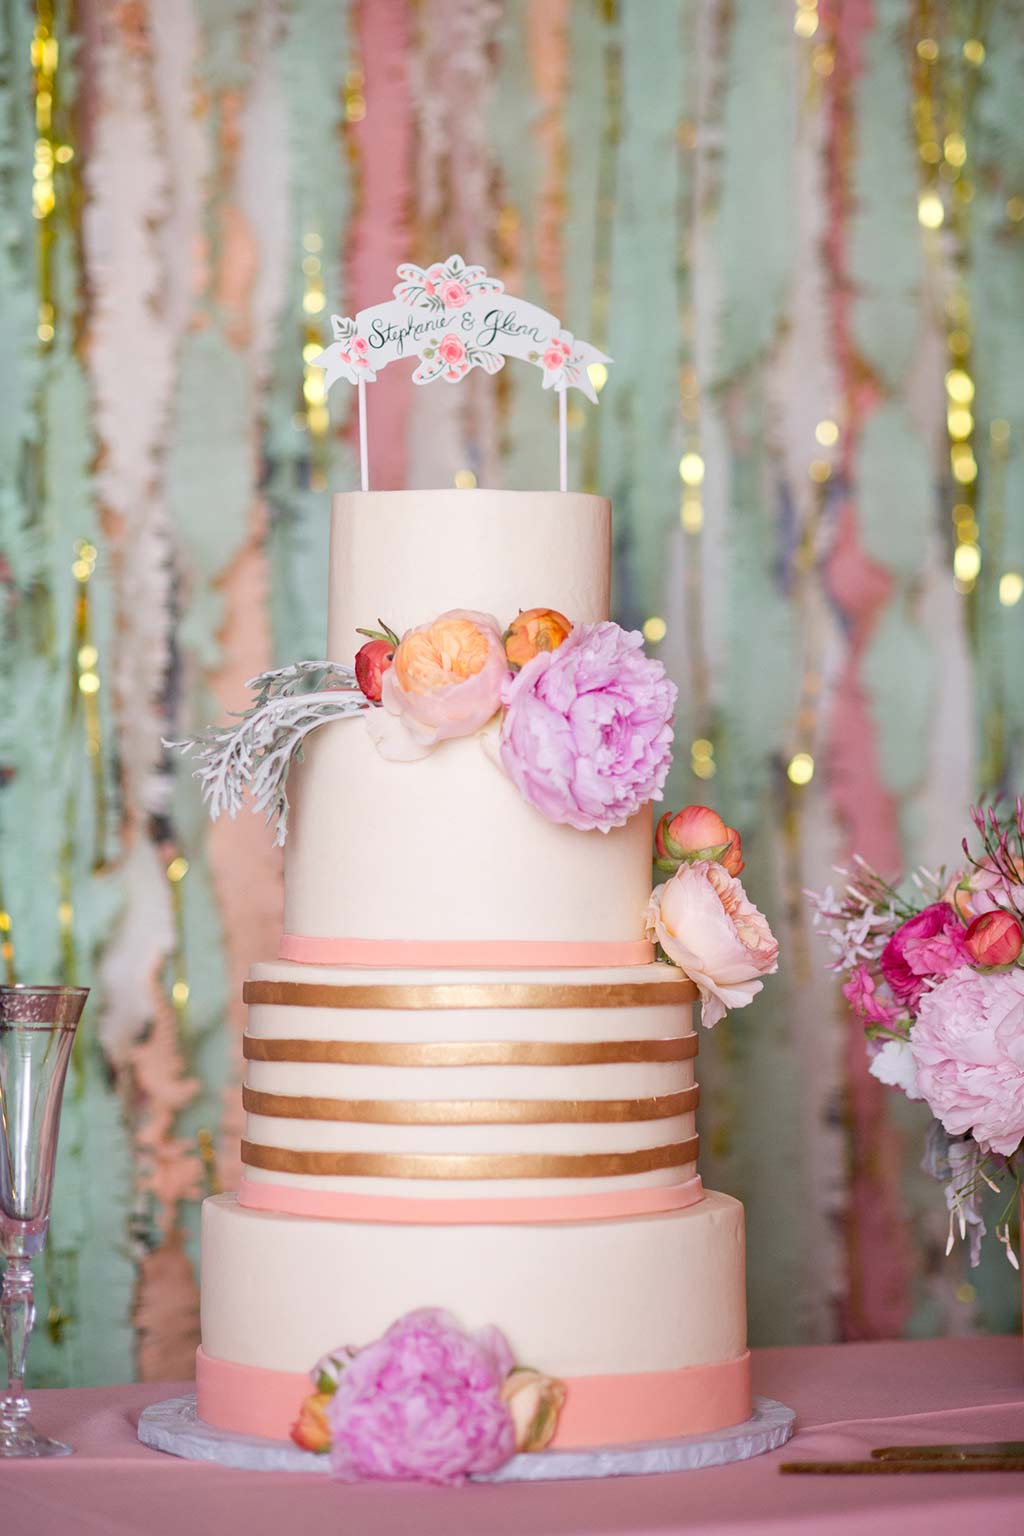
849,1399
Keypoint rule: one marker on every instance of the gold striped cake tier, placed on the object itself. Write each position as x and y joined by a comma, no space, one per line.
515,1086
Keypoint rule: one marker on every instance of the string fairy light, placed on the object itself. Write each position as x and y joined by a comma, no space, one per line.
941,108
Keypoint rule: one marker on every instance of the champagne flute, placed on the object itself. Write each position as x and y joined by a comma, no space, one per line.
37,1032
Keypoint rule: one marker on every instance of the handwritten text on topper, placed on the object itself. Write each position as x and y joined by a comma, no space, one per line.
453,318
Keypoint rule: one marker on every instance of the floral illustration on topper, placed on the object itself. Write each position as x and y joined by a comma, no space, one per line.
446,285
451,317
352,352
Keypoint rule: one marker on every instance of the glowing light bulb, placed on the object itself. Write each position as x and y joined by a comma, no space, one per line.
598,375
930,211
691,469
655,629
966,562
827,433
1011,588
801,769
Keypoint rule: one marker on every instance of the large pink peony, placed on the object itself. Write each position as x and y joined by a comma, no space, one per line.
968,1043
423,1403
926,946
445,680
588,728
705,924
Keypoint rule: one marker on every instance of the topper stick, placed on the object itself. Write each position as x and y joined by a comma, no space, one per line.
563,447
364,466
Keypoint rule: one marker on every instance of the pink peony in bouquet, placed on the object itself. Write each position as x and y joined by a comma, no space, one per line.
934,972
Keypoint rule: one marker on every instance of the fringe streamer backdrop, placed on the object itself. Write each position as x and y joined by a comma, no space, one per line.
798,228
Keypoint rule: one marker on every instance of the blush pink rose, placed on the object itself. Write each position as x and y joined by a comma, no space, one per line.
453,294
431,278
452,350
925,947
706,925
861,992
968,1044
445,680
423,1404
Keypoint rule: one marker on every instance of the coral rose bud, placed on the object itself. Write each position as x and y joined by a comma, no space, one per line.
537,629
311,1429
373,659
994,938
534,1401
693,834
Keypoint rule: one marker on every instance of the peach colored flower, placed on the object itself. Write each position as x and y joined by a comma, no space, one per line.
695,833
311,1429
453,295
706,925
534,1401
536,629
445,681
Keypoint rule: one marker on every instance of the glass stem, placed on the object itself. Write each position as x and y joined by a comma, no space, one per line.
19,1314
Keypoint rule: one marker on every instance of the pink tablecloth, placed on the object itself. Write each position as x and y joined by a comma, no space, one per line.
849,1398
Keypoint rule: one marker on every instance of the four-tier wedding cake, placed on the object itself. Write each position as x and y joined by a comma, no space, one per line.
470,1084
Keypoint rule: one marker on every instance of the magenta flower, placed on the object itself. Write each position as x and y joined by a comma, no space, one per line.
968,1043
861,992
587,732
927,946
423,1404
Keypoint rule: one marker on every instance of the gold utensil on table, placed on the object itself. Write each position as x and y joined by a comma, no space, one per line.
994,1456
978,1451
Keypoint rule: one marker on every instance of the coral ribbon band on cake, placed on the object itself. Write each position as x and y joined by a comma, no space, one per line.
494,994
470,1165
485,953
598,1410
470,1111
404,1210
469,1053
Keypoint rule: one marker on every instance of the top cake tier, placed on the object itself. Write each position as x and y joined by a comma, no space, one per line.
441,861
406,556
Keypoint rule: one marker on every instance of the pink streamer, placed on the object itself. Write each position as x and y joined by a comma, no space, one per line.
879,1255
381,237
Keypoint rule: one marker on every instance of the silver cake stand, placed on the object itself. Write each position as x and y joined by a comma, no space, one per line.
173,1426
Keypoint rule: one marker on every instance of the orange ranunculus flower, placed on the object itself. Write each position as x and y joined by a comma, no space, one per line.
697,833
311,1429
537,629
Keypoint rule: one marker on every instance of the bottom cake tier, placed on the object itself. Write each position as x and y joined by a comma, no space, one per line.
644,1319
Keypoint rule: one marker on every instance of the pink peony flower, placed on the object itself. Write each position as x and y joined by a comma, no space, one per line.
861,992
445,681
705,924
423,1403
453,295
587,733
968,1043
928,945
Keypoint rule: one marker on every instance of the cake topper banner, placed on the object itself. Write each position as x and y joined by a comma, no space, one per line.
452,318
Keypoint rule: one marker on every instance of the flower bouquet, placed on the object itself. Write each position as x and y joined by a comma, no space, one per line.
934,972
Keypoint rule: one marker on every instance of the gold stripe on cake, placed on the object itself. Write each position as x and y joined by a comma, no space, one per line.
511,994
469,1053
471,1111
524,1165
